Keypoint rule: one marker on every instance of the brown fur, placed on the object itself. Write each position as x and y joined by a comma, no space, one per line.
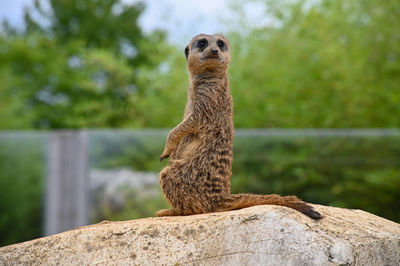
200,147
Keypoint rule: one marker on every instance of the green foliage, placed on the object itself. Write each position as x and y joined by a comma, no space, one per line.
21,188
321,64
318,64
84,87
111,25
164,93
78,70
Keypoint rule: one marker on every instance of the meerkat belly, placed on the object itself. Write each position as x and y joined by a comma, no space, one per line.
185,146
190,146
198,147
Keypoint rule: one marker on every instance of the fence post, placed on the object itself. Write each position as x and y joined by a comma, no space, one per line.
66,201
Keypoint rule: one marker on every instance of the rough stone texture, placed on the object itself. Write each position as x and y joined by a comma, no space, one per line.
262,235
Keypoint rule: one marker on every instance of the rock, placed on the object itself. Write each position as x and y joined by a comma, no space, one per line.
261,235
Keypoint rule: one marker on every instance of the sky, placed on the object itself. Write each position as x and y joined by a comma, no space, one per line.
12,10
182,19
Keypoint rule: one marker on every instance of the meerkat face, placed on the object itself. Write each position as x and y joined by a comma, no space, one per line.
208,53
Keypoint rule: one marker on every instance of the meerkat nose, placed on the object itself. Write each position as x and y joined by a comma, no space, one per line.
214,50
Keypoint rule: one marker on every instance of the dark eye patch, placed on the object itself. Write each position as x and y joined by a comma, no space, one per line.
221,44
202,43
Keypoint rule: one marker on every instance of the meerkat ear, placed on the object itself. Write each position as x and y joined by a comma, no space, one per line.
187,52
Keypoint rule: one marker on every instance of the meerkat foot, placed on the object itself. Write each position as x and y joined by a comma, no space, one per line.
166,212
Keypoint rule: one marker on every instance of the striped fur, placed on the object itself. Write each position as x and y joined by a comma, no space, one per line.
200,147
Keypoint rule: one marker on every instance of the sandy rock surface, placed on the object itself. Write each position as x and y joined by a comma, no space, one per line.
261,235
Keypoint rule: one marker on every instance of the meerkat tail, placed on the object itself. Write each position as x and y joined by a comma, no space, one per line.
239,201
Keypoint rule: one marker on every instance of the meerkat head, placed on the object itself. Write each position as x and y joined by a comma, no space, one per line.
208,53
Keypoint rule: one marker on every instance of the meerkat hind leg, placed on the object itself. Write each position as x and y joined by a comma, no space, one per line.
167,212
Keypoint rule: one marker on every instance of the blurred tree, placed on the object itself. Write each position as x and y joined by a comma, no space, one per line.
77,66
111,25
316,64
67,86
319,64
163,102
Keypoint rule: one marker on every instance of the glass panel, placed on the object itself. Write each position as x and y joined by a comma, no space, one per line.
22,176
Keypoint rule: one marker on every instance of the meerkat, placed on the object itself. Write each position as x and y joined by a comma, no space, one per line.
200,147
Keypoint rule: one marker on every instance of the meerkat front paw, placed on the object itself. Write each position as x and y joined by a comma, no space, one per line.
163,156
170,145
166,153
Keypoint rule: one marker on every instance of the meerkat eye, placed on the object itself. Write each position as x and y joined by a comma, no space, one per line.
202,43
220,44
